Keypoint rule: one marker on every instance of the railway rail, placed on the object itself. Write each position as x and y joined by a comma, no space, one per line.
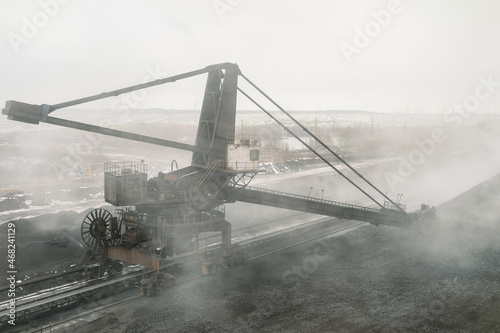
72,293
207,241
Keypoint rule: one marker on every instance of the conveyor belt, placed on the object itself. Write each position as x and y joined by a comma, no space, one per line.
323,207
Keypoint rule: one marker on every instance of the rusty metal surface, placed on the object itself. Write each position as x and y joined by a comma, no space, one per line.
135,256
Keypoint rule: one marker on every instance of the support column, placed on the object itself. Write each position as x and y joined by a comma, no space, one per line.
226,235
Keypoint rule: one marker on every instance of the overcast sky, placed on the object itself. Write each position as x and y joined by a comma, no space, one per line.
424,55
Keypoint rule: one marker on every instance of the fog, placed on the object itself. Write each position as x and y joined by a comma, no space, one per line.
412,105
427,58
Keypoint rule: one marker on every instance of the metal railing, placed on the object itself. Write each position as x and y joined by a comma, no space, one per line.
228,166
303,197
391,206
243,139
123,168
238,166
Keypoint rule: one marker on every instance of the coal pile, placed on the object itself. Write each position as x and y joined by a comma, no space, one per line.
46,244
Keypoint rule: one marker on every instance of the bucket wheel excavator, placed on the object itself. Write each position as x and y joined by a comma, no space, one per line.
160,218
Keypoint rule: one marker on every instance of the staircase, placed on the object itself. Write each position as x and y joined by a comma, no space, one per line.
207,175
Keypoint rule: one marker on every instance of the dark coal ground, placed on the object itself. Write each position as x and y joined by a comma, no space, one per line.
39,249
372,279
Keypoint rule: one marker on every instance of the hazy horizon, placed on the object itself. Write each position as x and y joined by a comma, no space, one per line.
392,56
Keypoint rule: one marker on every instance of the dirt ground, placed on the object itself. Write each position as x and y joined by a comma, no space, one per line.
372,279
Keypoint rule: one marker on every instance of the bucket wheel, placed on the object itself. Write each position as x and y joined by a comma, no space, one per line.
96,229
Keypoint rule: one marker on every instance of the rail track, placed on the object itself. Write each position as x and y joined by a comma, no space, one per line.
72,293
207,242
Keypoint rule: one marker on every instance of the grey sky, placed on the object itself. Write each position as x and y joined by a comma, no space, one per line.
428,57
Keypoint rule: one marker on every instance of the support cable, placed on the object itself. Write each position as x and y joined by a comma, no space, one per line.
321,142
309,147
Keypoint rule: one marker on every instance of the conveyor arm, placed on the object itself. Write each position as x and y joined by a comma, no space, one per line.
325,207
34,114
